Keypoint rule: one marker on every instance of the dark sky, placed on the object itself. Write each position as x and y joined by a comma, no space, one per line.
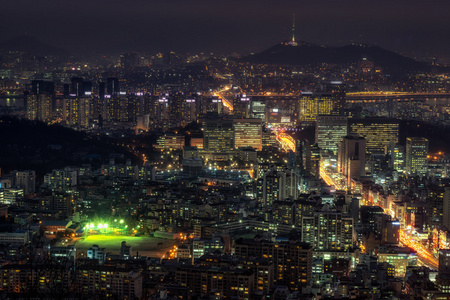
414,27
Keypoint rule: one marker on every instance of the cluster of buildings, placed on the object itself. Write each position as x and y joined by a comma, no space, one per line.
244,194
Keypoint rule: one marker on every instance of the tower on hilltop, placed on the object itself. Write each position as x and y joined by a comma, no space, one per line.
293,42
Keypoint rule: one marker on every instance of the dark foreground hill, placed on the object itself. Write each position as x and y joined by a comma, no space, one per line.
313,55
36,146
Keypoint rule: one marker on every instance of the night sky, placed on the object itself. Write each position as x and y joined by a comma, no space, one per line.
415,27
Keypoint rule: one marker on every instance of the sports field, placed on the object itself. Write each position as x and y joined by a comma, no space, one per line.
146,246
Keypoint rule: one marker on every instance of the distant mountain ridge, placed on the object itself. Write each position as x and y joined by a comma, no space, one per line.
31,46
307,54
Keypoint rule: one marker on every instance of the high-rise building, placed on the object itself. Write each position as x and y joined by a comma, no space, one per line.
446,207
112,86
258,110
190,110
338,90
25,180
416,156
379,133
329,132
273,187
311,105
218,136
242,106
77,111
40,102
292,260
352,157
248,133
328,231
443,277
310,158
397,156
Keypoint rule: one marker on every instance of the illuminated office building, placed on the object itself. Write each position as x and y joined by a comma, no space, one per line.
258,110
338,91
398,158
379,133
248,133
416,156
311,105
171,142
218,136
191,109
329,132
213,104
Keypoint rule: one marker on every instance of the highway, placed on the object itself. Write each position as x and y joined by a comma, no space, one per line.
227,100
286,141
425,255
426,258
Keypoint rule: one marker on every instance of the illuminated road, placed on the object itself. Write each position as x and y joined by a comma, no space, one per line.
328,178
325,176
226,100
286,141
425,256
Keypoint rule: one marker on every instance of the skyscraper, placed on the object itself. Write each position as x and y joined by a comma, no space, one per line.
40,102
416,156
338,90
352,157
218,136
312,105
329,132
242,106
248,133
379,133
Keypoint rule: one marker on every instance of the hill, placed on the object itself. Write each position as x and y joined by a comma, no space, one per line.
312,55
29,145
31,46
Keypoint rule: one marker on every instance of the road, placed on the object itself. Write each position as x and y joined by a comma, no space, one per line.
425,256
286,141
227,100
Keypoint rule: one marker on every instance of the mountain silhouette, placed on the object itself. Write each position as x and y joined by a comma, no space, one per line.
31,46
306,54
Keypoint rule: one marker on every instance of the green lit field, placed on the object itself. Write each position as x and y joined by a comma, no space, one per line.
146,246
